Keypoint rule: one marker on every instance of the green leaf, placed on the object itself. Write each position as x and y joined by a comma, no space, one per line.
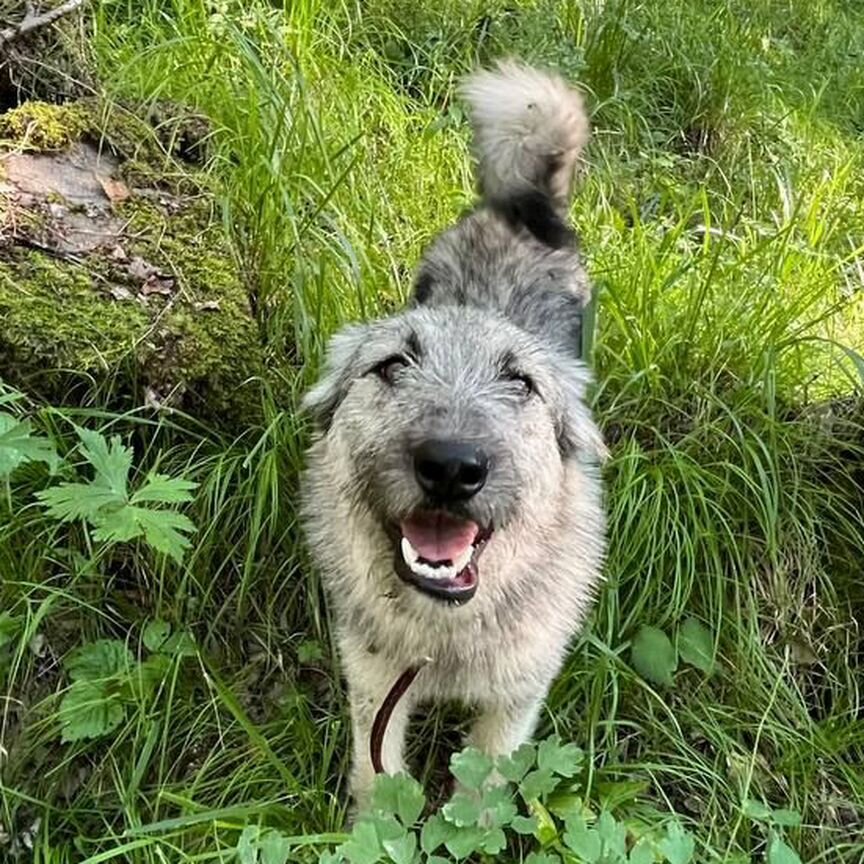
400,795
247,845
116,525
465,841
542,858
653,655
105,502
561,759
309,651
363,846
402,851
613,794
857,360
613,835
462,809
89,711
756,810
437,859
155,634
164,529
98,660
547,830
436,830
471,767
566,805
696,646
497,807
181,644
263,846
19,446
641,853
780,853
70,501
161,489
583,841
515,766
10,626
525,824
387,826
677,845
160,528
110,460
274,848
494,841
786,818
537,784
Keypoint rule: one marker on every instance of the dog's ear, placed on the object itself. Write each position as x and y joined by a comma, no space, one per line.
340,361
578,435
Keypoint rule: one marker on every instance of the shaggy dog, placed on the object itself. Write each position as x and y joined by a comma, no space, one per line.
452,497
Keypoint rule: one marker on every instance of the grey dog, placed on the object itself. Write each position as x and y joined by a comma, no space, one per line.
452,496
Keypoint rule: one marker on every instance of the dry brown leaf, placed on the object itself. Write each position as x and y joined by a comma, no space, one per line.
158,284
140,269
116,190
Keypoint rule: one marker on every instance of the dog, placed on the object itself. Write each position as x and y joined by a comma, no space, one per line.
452,496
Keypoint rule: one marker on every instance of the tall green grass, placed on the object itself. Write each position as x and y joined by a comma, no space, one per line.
721,222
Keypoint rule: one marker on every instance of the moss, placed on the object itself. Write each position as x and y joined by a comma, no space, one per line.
214,343
195,349
40,126
90,319
147,153
54,312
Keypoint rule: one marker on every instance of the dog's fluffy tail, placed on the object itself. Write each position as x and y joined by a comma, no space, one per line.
529,130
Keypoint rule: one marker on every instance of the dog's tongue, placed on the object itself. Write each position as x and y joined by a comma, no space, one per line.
438,536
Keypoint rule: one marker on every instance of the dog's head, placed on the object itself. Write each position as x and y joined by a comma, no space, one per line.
456,424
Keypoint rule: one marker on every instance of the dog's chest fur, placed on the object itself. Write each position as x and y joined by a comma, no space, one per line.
538,580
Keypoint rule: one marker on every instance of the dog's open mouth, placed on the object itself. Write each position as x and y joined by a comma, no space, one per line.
437,553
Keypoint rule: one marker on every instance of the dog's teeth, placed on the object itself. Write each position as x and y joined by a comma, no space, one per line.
409,553
439,572
427,571
463,560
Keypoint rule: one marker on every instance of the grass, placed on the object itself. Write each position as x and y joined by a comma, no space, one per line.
721,220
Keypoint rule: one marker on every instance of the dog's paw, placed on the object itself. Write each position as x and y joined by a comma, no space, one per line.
352,816
360,806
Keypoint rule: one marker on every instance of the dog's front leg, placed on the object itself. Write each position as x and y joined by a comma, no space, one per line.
369,681
502,726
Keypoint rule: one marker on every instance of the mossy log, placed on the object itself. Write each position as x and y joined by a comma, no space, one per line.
115,275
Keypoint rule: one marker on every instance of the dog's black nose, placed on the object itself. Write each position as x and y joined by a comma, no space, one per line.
450,470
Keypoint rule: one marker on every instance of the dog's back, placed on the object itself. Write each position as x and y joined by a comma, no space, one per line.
516,253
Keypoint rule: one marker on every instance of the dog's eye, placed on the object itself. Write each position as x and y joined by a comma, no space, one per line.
524,382
387,369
